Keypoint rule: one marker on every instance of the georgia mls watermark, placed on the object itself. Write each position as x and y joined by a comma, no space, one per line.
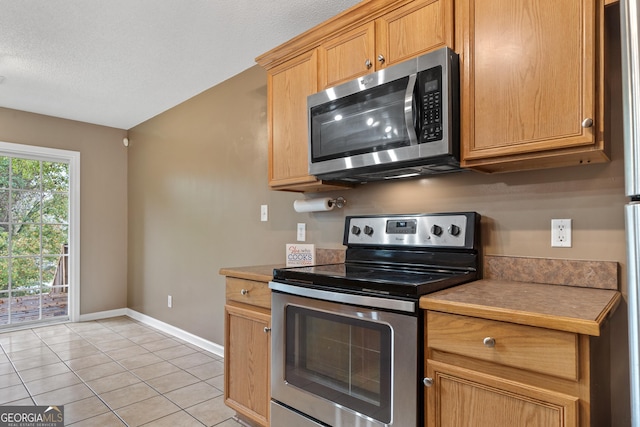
31,416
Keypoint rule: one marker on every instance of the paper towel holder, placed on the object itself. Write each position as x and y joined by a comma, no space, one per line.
338,202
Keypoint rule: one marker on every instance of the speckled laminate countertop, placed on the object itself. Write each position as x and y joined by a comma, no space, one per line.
504,296
261,273
566,308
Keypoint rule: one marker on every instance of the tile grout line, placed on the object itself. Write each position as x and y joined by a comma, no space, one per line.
160,393
4,351
76,374
120,333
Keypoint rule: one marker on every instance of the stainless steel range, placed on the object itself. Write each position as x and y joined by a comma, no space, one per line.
347,338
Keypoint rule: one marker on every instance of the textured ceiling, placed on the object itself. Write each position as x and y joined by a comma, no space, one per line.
118,63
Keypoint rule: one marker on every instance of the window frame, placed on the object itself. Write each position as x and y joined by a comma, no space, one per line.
72,158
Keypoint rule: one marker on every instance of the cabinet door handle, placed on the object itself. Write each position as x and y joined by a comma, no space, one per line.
368,63
428,382
244,292
267,329
381,58
489,342
587,123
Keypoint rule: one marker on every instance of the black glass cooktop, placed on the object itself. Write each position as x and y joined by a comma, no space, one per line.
363,278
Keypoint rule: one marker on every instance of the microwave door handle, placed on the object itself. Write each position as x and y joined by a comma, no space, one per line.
412,109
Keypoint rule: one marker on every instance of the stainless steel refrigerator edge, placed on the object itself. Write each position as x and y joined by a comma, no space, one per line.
629,17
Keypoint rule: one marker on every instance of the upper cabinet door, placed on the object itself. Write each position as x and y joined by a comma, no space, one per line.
404,33
414,29
347,56
529,79
288,87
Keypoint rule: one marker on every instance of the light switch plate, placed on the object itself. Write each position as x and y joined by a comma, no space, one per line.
302,232
264,213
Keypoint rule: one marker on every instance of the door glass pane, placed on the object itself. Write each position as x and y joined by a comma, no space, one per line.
4,172
55,176
34,238
54,238
25,239
25,174
25,206
55,208
343,359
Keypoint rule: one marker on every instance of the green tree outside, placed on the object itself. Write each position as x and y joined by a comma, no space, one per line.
34,223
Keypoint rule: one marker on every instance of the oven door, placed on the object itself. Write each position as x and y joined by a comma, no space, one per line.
344,365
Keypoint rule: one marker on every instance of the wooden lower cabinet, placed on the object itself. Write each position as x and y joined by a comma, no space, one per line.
247,350
487,373
463,397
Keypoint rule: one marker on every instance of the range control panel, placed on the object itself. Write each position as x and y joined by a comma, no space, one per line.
447,230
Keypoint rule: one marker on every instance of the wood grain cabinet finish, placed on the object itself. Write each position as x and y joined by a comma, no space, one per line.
484,372
247,349
404,33
470,398
336,51
532,83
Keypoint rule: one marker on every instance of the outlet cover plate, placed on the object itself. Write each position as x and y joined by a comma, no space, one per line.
561,233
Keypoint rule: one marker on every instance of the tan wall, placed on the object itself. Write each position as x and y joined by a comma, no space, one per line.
103,202
197,178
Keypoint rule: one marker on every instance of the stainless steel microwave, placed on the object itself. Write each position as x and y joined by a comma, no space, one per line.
399,122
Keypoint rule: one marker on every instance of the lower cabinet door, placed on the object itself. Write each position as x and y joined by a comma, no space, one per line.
247,355
461,397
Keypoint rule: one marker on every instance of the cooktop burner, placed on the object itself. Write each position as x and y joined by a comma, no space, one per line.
398,255
363,279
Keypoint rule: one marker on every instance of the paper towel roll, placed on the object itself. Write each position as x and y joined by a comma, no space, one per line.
313,205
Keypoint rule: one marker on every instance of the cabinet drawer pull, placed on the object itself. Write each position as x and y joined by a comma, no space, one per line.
587,123
428,382
267,329
367,63
489,342
244,292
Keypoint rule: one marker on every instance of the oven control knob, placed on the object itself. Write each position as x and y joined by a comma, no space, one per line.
436,230
355,230
368,230
454,230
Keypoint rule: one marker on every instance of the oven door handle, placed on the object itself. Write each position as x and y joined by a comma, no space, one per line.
363,300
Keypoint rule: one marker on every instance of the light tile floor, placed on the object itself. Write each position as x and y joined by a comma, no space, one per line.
113,372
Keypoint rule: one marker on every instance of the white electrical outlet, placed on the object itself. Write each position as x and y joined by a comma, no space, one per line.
302,232
561,233
169,301
264,213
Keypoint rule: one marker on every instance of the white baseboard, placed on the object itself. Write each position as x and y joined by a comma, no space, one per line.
212,347
103,315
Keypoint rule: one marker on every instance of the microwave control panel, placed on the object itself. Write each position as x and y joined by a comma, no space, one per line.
430,90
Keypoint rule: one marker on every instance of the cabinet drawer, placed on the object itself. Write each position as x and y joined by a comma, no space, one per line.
249,292
525,347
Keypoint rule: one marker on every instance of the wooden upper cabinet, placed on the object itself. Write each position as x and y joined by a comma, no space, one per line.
415,29
288,86
532,80
403,33
287,89
347,56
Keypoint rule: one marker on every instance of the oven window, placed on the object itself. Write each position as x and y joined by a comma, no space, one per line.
342,359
